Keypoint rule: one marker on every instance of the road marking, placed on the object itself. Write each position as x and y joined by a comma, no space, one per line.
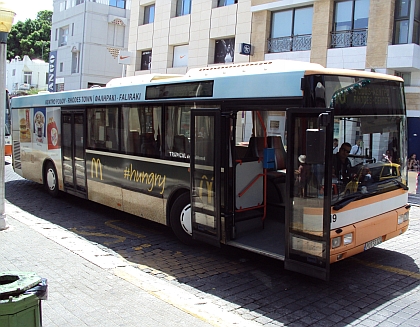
109,223
118,239
388,268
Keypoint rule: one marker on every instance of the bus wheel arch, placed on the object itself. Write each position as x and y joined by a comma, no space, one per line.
180,217
51,179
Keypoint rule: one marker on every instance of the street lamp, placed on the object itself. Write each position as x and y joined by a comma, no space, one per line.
6,21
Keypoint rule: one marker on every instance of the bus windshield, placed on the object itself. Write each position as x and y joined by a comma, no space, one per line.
369,147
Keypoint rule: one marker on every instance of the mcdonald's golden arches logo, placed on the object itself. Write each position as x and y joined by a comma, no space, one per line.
96,163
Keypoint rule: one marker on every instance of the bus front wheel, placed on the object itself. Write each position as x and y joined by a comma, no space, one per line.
51,180
180,219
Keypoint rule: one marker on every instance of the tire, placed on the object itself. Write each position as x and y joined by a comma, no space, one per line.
180,219
51,180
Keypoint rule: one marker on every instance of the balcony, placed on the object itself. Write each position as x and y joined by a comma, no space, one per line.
347,39
290,43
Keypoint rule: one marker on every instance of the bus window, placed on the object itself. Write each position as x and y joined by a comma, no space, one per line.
177,135
141,130
103,128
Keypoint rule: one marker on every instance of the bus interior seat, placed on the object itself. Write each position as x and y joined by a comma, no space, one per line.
132,143
280,153
148,144
179,143
255,147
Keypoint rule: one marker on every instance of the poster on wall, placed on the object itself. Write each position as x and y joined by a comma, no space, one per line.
53,129
224,51
24,125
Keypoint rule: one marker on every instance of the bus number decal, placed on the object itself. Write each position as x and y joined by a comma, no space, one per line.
151,179
333,218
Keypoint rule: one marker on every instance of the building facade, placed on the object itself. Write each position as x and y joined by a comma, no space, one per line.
86,39
172,36
25,74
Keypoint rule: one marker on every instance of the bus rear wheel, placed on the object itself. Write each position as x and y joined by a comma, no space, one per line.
180,219
51,180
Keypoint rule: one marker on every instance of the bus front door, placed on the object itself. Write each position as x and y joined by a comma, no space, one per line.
308,205
205,175
73,151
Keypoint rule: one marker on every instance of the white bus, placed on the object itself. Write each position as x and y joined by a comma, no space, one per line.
215,154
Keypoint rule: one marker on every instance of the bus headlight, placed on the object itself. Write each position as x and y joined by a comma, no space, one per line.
336,242
403,217
348,238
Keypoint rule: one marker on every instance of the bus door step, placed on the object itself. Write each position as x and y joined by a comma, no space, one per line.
248,221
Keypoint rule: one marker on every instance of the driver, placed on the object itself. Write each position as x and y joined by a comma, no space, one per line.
341,163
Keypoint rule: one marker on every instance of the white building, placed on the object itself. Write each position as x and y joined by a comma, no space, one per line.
86,38
25,74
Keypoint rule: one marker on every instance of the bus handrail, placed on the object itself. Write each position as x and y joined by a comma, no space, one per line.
254,180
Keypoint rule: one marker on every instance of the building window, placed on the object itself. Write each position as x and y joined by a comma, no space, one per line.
27,78
146,60
59,87
222,3
183,7
180,56
350,23
406,76
64,34
224,51
13,72
291,30
407,21
61,67
78,2
74,62
149,14
117,3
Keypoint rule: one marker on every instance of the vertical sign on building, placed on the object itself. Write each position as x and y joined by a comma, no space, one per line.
51,71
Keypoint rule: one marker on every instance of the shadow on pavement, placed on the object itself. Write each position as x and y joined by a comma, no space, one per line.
255,287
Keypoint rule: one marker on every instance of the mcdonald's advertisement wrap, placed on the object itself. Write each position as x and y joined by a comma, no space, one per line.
144,175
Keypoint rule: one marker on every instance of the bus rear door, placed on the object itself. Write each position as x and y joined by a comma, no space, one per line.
73,151
308,205
205,175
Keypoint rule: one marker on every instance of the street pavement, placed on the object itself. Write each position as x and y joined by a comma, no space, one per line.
105,268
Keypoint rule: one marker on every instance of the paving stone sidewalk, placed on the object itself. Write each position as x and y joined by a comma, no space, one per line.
90,287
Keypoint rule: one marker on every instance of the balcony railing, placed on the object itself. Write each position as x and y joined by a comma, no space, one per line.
290,43
346,39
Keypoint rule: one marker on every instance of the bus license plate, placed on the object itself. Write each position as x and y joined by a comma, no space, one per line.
375,242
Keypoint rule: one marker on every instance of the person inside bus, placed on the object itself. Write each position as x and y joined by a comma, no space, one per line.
341,164
357,150
335,146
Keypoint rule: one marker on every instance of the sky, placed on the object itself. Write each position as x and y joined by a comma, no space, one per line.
25,9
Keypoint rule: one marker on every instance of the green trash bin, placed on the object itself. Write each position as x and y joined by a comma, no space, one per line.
20,299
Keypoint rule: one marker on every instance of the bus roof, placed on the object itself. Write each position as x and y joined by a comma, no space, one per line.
265,79
352,73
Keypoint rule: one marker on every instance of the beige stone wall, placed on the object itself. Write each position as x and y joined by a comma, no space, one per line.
261,22
321,27
412,101
381,22
260,2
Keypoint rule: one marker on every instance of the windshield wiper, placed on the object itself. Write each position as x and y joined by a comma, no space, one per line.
349,199
373,189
